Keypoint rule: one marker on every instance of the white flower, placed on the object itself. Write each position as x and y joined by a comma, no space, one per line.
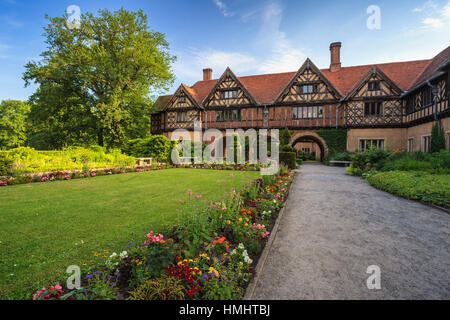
113,255
123,255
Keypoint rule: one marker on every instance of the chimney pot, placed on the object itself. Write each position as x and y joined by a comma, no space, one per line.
335,49
207,74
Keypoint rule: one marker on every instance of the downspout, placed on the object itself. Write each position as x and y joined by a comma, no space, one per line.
435,92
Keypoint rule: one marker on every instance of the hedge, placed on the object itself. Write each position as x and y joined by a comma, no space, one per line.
289,159
158,147
414,185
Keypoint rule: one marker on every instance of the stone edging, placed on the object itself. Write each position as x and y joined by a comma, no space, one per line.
249,292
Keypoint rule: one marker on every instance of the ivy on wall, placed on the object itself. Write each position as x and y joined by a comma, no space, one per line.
336,139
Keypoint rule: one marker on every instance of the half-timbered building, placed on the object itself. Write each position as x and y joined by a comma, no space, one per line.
391,105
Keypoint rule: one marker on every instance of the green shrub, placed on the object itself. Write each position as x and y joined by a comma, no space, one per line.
285,137
368,159
418,161
426,187
351,170
5,163
167,288
158,147
287,148
27,160
437,140
343,156
289,159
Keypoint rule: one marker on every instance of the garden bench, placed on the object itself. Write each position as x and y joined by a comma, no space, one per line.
345,163
144,161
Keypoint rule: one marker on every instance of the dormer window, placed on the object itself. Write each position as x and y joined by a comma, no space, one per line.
374,85
308,88
229,94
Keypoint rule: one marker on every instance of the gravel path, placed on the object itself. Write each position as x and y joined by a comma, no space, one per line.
335,226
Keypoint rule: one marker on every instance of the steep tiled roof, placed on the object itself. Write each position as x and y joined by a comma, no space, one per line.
433,65
266,87
161,102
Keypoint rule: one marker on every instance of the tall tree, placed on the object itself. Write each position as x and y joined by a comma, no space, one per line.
437,139
13,118
102,74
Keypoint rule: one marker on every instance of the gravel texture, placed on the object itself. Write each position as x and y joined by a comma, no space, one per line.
336,226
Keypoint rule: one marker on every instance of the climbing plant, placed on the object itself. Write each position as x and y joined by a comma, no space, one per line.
336,139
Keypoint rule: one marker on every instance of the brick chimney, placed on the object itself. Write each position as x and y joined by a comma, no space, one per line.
335,49
207,74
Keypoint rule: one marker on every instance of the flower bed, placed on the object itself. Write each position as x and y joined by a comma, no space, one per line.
78,174
208,254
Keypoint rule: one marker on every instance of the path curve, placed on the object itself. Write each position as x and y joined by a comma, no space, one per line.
335,226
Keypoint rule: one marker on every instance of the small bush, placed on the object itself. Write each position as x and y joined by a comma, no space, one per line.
159,289
289,159
426,187
417,161
5,163
368,159
437,139
158,147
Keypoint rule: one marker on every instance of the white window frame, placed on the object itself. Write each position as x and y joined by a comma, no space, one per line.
423,147
413,144
371,139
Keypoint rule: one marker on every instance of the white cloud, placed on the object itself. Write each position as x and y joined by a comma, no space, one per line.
275,52
434,18
284,56
223,8
191,62
426,6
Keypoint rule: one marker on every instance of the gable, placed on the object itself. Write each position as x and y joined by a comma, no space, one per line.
228,91
375,84
308,85
181,99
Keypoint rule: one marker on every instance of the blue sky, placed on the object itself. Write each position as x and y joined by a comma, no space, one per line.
250,36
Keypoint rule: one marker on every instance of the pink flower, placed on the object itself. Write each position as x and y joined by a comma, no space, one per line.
189,191
231,176
58,287
223,181
181,201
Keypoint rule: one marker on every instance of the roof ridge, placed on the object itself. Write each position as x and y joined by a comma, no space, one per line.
425,69
346,67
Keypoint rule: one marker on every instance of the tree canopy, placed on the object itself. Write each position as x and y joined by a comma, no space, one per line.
13,119
95,80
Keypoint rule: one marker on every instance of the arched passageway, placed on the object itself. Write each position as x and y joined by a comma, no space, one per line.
312,141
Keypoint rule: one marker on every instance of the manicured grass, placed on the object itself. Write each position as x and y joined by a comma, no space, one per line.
46,227
415,185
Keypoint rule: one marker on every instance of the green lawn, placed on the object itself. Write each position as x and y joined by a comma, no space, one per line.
46,227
